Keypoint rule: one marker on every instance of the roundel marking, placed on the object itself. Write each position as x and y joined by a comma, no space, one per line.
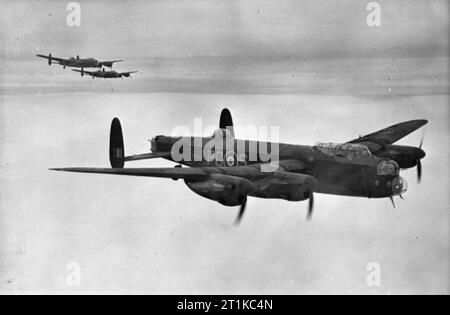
230,159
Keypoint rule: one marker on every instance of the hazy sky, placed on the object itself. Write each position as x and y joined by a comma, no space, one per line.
169,28
240,47
315,69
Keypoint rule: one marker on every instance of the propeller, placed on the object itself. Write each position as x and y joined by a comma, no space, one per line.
419,171
241,210
392,200
310,207
419,163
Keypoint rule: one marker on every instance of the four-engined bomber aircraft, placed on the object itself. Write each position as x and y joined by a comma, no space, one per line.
365,167
105,74
79,62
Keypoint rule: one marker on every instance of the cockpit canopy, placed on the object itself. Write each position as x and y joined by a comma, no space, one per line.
388,168
343,150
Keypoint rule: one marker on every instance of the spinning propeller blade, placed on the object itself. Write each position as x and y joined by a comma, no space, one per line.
419,163
310,207
241,210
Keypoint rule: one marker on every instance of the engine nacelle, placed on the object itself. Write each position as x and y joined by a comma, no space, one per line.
225,189
287,186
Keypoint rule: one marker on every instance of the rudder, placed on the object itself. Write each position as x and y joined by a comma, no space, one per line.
226,121
116,147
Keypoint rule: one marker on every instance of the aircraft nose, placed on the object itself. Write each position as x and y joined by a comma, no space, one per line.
421,154
399,185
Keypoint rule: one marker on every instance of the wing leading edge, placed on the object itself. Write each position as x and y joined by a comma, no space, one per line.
174,172
84,72
391,134
111,61
251,172
51,58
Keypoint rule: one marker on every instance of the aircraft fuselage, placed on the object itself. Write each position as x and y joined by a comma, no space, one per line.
106,74
80,63
347,174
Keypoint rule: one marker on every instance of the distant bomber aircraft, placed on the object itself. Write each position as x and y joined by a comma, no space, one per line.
78,62
366,167
105,74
